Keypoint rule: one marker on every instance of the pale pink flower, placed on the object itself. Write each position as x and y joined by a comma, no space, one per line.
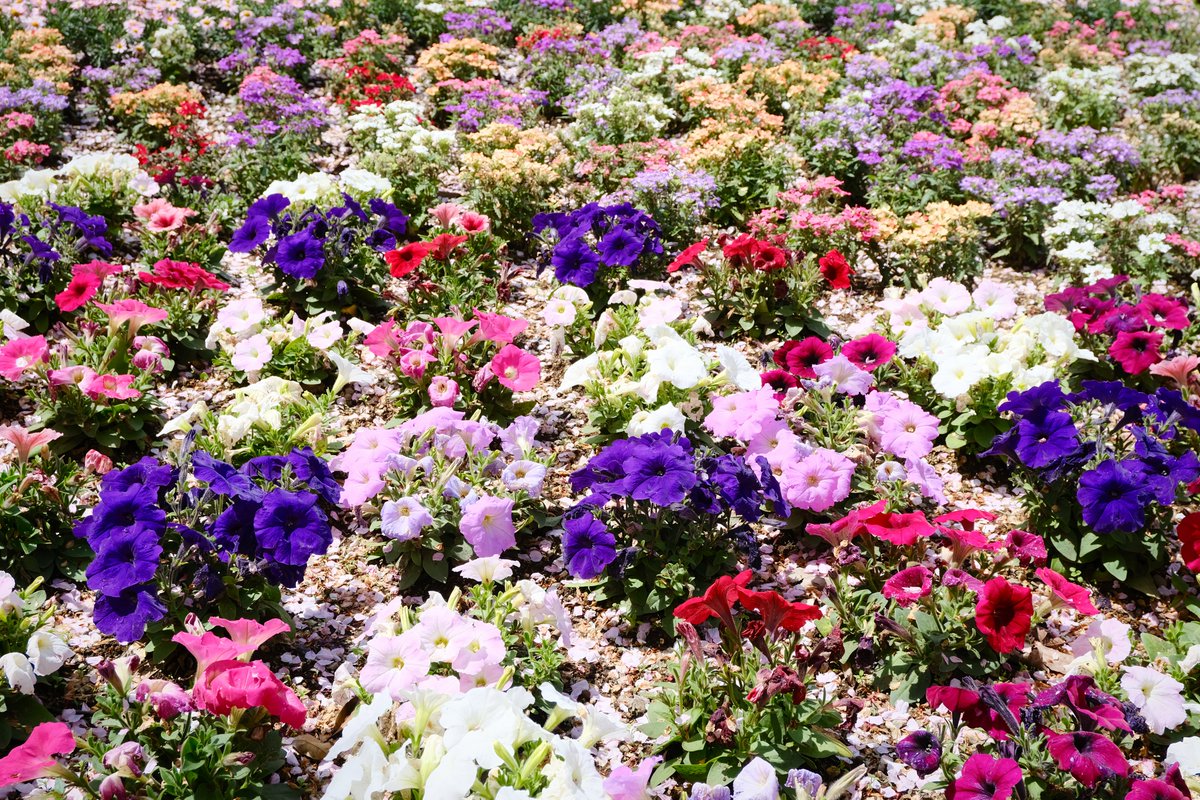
394,664
27,442
443,391
1177,369
160,216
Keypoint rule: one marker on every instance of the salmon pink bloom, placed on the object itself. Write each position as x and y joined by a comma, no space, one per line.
27,442
34,758
18,355
516,369
111,387
101,269
160,216
1177,369
474,223
446,214
247,633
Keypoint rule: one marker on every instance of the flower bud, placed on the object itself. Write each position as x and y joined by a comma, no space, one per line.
96,463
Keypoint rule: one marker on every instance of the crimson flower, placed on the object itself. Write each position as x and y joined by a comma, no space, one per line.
1089,757
836,269
908,585
1003,614
777,612
1189,540
688,256
717,601
407,258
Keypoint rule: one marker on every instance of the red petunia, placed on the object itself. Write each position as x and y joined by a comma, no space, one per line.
1004,614
407,258
717,601
777,612
688,256
1189,539
836,269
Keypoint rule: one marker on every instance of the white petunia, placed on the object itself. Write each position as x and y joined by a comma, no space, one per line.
1159,697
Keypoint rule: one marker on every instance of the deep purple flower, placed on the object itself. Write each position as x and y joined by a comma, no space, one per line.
1114,496
588,547
300,255
147,471
922,751
1043,439
620,247
124,512
124,560
661,473
312,470
575,262
125,616
291,527
223,479
234,528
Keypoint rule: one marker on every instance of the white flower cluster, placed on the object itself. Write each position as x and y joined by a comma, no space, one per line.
958,332
45,651
317,188
1085,236
1149,74
260,405
398,128
94,175
625,114
651,358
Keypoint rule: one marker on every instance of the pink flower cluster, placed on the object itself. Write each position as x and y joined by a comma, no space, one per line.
444,652
226,679
451,343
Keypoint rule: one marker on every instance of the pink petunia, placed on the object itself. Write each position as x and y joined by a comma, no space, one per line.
18,355
111,387
1068,593
908,585
499,328
516,369
27,442
79,291
34,758
135,313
